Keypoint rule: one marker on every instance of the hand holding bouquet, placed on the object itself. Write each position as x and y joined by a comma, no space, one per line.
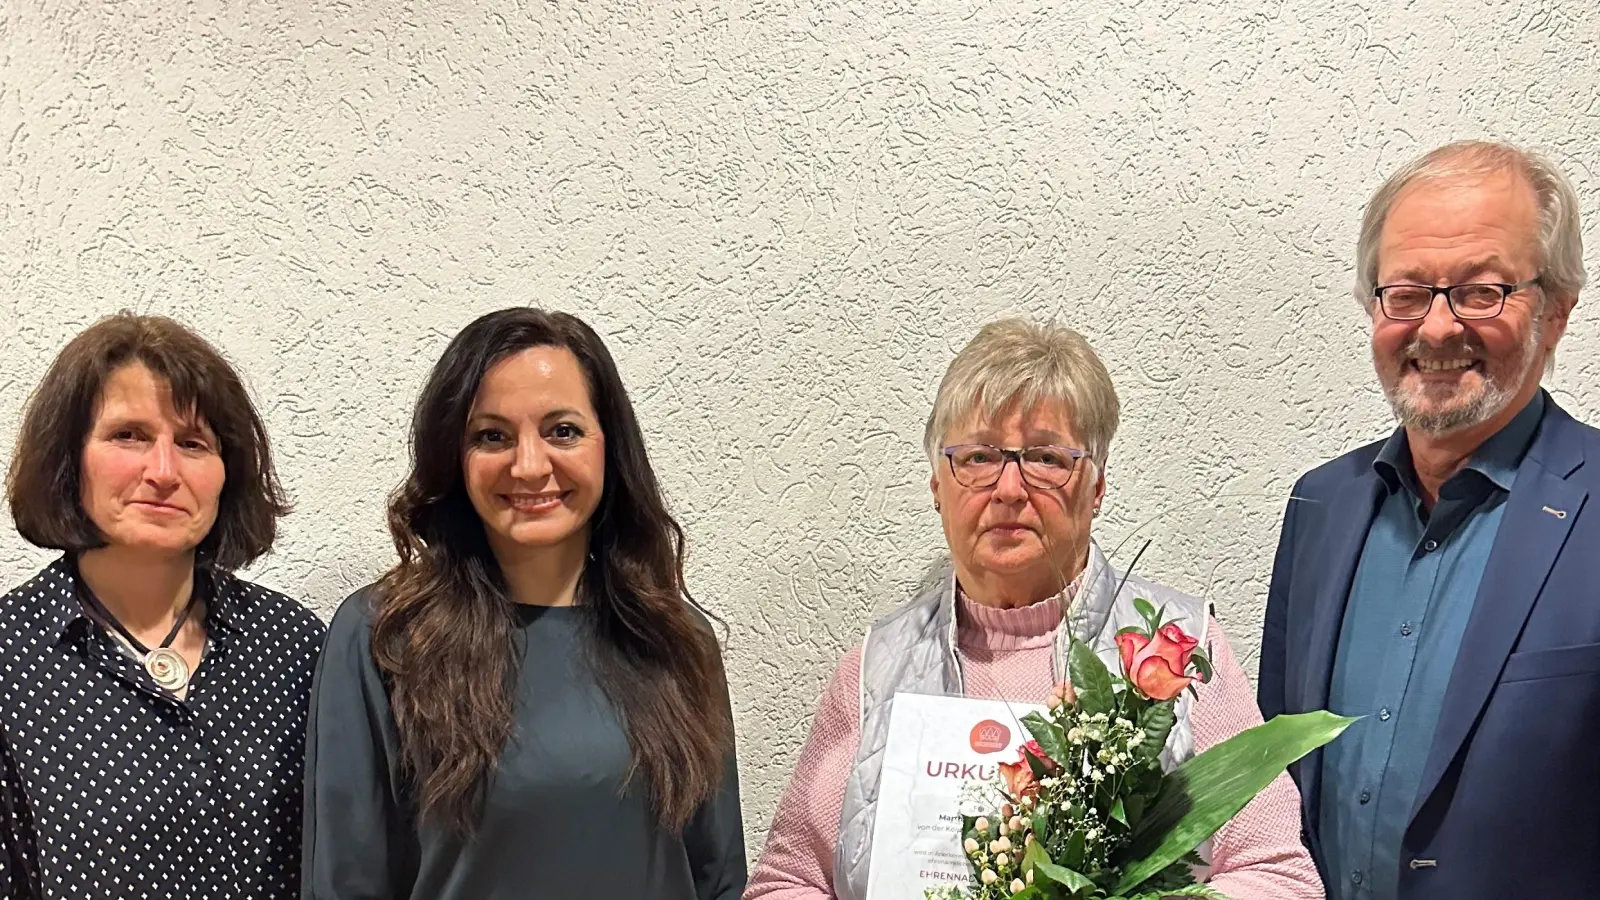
1086,812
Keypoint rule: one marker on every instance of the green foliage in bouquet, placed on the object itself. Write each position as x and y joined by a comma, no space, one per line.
1088,813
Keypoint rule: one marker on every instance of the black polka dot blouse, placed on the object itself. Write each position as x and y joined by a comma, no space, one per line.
113,788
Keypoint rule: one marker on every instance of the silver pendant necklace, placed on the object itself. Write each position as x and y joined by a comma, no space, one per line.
165,666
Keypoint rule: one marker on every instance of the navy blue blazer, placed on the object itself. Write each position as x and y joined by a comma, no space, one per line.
1509,805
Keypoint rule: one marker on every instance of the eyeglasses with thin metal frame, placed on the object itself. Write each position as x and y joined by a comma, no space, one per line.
1478,300
1045,466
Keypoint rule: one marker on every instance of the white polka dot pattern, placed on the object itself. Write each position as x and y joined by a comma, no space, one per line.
135,794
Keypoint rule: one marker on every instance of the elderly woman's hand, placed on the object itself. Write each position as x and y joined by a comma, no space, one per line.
1061,693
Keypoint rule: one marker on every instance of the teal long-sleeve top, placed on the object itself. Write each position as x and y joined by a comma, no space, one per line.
559,821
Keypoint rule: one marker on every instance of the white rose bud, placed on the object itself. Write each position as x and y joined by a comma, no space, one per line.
994,847
981,825
1030,876
1027,840
1016,824
1017,886
989,877
1002,860
971,846
1005,844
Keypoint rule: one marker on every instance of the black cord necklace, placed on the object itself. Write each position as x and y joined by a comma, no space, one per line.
166,666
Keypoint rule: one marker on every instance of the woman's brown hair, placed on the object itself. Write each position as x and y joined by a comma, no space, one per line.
443,628
44,484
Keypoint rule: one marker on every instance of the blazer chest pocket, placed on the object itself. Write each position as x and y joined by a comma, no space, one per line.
1561,662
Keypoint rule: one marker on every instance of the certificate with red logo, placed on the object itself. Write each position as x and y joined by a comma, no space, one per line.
938,747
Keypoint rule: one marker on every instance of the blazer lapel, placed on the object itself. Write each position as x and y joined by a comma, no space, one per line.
1538,516
1349,517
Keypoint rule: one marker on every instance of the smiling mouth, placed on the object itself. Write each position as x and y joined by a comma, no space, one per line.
534,503
1444,366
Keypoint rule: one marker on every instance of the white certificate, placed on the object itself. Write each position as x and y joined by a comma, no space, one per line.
936,746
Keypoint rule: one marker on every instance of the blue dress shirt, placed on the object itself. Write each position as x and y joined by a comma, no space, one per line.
1413,592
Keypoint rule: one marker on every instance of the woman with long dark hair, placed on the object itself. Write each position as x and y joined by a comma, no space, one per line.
528,704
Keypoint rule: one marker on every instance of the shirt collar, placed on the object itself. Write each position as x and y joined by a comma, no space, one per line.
62,610
1496,459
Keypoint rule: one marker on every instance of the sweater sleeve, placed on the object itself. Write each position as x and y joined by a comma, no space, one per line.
797,862
1258,854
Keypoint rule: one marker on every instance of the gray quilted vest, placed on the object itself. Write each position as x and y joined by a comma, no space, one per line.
913,650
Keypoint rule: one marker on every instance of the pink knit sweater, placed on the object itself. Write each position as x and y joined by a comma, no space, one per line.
1006,654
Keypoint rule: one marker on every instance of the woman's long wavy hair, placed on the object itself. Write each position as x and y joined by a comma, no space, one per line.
444,624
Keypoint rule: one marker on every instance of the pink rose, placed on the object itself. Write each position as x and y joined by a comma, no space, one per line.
1156,666
1018,776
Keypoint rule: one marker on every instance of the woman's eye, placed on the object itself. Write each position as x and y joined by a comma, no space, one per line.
566,432
124,434
489,436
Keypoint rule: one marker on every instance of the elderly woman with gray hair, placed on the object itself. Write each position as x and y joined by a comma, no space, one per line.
1026,578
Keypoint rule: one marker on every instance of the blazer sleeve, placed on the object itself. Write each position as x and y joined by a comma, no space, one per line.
359,842
1271,695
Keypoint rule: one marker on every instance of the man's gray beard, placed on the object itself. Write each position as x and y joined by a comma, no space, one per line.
1494,398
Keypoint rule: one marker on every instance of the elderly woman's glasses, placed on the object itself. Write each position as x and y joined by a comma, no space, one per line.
1484,300
1044,466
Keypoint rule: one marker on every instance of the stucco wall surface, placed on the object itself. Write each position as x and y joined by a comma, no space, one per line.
785,217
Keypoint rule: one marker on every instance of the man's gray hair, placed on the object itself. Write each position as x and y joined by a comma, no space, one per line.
1018,362
1560,233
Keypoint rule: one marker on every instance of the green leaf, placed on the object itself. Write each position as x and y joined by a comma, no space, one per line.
1202,664
1063,876
1033,855
1036,766
1118,813
1147,611
1091,679
1052,740
1157,721
1201,795
1075,847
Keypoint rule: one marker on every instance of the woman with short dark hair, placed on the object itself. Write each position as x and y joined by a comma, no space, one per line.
528,704
152,705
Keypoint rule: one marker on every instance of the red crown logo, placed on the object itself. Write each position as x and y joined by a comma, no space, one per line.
990,736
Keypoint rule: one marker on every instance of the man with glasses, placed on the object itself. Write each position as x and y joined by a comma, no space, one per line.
1444,583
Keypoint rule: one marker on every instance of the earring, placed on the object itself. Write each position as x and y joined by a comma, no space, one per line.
936,506
1095,514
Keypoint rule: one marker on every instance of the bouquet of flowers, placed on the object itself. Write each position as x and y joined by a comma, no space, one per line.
1086,813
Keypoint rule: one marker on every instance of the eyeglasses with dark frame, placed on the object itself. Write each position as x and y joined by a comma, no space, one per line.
1043,466
1477,300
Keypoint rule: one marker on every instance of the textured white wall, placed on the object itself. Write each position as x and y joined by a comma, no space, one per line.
785,218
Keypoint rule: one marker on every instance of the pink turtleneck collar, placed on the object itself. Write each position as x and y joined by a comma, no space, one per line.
1019,628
